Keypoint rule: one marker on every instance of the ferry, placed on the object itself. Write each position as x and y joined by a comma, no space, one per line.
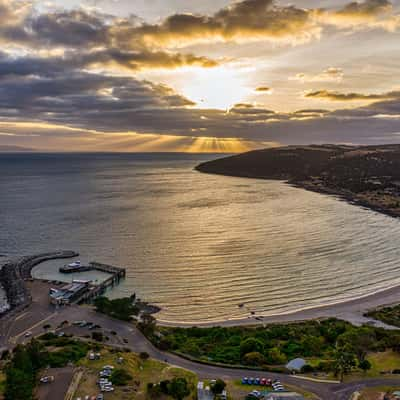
75,266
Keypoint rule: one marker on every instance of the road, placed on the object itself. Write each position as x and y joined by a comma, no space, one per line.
138,343
14,330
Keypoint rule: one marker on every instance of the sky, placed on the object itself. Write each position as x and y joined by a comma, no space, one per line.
197,76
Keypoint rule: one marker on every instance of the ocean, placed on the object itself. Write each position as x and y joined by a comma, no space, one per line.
197,245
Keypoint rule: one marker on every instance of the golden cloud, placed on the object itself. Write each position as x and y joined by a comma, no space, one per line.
337,96
331,74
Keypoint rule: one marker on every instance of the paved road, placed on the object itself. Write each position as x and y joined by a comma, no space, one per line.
138,343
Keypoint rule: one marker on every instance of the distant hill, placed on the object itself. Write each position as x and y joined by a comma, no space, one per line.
367,175
14,149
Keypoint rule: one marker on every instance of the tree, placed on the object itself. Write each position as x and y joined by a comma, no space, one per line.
275,356
255,359
120,377
98,336
148,324
359,340
365,365
178,388
218,387
19,385
251,345
344,362
144,356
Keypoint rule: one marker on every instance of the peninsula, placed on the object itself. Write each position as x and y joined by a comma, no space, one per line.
368,176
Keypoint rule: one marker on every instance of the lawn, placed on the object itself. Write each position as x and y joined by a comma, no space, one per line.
143,372
385,361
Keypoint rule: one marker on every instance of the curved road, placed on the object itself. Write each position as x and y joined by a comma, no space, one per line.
139,343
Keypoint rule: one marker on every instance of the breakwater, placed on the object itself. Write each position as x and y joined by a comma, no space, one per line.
14,273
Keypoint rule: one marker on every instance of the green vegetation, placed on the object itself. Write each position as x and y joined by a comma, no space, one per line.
143,371
177,388
120,377
388,315
218,387
22,370
2,384
331,345
122,309
67,350
26,362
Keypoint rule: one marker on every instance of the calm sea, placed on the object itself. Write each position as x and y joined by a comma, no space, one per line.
197,245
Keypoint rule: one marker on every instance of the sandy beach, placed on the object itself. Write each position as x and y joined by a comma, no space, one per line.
352,311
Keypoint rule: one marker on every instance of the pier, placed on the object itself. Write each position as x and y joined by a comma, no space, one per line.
117,274
93,291
14,273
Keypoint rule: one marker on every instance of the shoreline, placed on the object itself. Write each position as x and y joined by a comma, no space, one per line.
349,310
341,195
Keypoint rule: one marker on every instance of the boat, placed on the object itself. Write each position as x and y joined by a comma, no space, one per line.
75,266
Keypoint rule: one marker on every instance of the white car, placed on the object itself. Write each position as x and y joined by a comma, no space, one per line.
28,334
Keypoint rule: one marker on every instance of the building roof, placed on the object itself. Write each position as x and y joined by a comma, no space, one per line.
296,364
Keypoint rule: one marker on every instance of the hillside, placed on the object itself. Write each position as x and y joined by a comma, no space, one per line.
366,175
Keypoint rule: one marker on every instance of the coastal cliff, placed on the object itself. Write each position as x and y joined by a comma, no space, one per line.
366,175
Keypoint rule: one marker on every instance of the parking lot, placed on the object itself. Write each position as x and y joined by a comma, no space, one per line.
59,387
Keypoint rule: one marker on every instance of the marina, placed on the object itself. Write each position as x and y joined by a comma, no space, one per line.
14,274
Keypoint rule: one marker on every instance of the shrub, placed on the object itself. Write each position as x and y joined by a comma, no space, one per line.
218,386
306,369
251,345
255,359
98,336
120,377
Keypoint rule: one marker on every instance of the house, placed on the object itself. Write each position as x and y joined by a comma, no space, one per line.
68,293
296,365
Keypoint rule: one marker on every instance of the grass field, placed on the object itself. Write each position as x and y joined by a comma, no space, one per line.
142,372
385,361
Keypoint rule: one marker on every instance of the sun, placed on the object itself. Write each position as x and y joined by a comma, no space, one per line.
216,88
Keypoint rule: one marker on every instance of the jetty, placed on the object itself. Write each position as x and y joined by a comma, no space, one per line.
15,273
93,291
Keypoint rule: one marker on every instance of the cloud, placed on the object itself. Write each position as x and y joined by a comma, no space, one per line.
85,39
90,104
243,20
263,89
57,76
361,15
337,96
331,74
366,9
